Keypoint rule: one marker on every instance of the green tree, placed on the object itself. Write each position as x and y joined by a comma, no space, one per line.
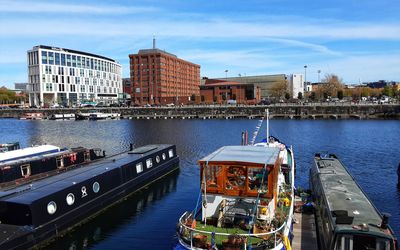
287,96
224,96
215,98
388,91
313,96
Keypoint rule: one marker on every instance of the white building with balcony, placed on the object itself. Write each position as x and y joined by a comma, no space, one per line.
296,84
68,77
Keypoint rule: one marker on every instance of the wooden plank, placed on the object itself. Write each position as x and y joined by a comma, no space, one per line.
305,237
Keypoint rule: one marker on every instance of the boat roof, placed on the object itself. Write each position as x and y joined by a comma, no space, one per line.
344,194
244,154
28,193
28,152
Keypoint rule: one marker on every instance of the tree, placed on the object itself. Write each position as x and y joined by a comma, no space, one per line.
340,94
332,84
224,96
193,98
300,96
312,96
388,91
287,95
234,97
279,89
215,98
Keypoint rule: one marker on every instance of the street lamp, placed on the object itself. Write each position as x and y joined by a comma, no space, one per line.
305,74
226,74
319,72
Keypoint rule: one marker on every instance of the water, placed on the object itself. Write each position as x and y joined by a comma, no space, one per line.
370,149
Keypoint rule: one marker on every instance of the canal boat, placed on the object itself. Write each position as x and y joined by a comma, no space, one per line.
32,116
346,218
4,147
31,163
32,214
103,116
246,199
62,117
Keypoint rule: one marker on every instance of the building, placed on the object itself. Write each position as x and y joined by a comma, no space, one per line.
296,85
21,87
221,91
265,82
68,77
159,77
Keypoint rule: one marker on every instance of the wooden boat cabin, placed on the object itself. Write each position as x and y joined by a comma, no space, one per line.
346,218
29,163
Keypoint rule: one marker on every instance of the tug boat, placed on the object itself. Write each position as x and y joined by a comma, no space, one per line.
246,199
34,213
27,164
345,217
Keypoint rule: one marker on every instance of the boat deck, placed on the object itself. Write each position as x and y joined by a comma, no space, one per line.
304,231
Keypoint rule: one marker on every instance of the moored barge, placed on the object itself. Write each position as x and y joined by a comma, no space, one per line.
346,218
31,214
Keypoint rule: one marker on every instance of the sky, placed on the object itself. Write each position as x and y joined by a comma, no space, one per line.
357,40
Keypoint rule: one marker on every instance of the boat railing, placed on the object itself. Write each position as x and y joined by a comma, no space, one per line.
188,233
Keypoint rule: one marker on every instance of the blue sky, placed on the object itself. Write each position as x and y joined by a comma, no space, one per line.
357,40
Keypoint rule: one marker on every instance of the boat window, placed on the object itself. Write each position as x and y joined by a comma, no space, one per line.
60,162
258,180
70,199
236,177
171,153
164,156
158,159
86,156
149,163
26,170
139,168
96,187
51,207
211,174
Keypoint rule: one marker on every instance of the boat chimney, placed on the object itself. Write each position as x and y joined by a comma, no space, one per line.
385,220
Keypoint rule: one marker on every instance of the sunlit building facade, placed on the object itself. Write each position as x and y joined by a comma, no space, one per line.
68,77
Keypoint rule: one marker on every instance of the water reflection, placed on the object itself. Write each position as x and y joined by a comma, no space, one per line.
121,217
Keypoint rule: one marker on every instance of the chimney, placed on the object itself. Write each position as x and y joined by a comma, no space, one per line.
385,220
154,42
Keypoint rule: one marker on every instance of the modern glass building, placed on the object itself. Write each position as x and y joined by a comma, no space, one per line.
69,77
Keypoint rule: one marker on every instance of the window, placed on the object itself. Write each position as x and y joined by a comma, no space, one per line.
164,156
96,187
51,207
51,58
44,57
63,59
78,61
57,58
139,168
73,61
26,170
171,153
70,199
68,60
158,159
86,156
149,163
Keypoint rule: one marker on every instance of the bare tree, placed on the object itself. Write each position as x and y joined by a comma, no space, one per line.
279,89
332,84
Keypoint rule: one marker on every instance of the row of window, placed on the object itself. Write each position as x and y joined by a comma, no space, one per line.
48,69
70,198
48,87
56,58
78,80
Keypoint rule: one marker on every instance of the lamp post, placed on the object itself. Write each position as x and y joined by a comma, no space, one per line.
319,72
226,74
305,74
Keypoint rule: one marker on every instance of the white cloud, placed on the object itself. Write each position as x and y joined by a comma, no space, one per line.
46,7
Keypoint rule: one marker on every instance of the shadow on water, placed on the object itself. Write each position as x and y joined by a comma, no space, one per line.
122,216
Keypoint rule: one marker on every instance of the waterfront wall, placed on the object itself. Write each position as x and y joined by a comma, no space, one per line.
314,111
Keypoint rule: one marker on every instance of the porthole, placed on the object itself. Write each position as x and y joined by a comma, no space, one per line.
51,207
164,156
158,159
96,187
70,199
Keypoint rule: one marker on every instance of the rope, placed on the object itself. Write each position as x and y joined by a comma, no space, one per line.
256,131
197,205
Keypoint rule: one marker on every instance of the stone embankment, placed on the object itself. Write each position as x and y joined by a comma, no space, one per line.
282,111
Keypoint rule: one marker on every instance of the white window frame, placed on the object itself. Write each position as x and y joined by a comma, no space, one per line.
139,167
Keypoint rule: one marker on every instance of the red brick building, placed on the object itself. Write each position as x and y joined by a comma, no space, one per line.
160,77
222,91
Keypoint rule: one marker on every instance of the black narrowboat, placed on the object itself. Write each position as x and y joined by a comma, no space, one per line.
36,212
25,167
345,217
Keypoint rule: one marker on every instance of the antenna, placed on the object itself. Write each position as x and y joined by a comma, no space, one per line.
154,42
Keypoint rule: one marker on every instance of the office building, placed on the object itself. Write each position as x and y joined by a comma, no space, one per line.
69,77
